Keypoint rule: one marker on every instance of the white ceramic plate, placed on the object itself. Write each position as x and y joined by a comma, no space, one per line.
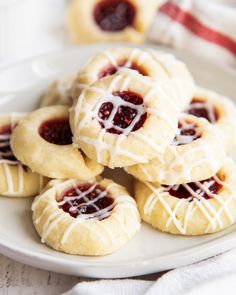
149,251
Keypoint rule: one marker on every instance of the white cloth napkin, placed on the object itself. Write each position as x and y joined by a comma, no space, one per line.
206,28
180,281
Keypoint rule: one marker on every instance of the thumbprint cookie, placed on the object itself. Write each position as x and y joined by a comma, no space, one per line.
195,153
58,93
194,208
43,141
16,180
110,20
109,61
85,218
123,119
165,69
218,110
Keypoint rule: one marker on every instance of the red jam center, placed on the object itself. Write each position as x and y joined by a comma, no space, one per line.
195,190
114,15
5,149
126,118
87,199
202,109
188,132
110,69
56,131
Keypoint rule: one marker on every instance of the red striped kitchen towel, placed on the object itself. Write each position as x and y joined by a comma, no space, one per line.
206,28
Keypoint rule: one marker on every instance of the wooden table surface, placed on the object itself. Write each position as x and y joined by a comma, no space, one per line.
19,279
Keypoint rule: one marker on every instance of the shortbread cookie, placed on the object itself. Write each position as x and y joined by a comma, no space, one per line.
85,218
217,109
43,141
195,208
123,119
110,20
16,180
196,153
152,63
109,61
58,93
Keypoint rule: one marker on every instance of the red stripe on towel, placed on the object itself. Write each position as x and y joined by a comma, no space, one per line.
196,27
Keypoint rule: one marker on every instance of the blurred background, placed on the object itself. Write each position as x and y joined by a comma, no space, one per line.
31,27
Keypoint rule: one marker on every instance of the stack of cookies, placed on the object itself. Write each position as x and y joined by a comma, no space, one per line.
134,109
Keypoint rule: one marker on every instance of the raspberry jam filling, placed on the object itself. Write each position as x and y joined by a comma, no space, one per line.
187,133
122,118
110,69
195,190
202,109
114,15
56,131
87,201
5,149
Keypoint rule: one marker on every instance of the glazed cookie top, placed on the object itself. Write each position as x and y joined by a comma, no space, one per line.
206,189
218,110
195,153
188,131
211,198
119,113
111,61
87,200
78,202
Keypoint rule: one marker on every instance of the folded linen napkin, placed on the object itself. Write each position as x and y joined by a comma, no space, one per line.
181,281
206,28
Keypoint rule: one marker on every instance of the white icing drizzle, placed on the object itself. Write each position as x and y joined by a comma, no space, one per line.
181,165
98,215
105,235
150,142
117,102
50,224
203,104
5,143
159,57
135,54
110,57
186,139
47,207
150,203
108,97
82,195
186,168
9,179
145,172
195,200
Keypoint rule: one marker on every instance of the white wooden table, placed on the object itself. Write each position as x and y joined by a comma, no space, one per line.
20,279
